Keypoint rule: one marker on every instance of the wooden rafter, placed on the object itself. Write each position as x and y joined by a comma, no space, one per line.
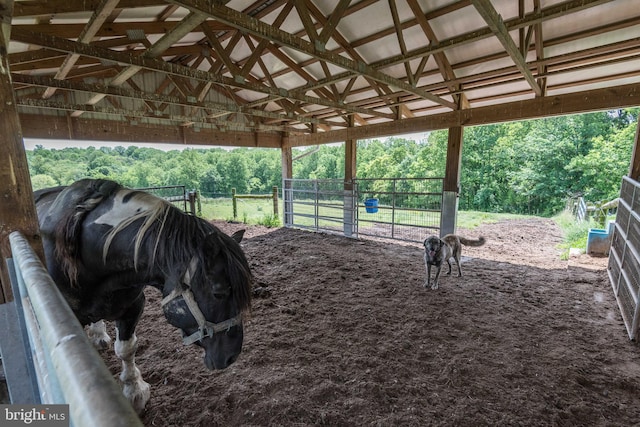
258,28
182,29
495,22
99,17
143,61
330,26
243,65
148,97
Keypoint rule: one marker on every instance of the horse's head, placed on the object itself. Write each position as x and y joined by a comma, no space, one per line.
208,301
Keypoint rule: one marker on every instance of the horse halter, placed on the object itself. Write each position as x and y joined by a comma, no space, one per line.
205,328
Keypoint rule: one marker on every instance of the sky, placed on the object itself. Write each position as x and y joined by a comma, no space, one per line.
30,143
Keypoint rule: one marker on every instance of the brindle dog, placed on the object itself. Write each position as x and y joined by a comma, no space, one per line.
438,250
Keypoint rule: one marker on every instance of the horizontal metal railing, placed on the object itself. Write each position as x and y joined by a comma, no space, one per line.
71,370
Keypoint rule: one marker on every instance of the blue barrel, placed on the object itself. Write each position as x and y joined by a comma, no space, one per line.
371,205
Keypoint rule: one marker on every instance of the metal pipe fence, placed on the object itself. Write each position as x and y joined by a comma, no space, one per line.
406,208
315,204
68,368
176,194
394,208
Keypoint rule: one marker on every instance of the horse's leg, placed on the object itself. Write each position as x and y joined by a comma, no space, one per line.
135,388
97,334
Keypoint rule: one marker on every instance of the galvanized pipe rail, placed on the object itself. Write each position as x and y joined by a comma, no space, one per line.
85,383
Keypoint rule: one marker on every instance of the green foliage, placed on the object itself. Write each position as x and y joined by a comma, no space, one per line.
575,232
270,221
526,167
472,219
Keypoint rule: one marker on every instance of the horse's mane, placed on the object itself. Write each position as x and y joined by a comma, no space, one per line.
74,207
173,238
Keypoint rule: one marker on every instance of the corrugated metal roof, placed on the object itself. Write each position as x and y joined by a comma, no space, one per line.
306,67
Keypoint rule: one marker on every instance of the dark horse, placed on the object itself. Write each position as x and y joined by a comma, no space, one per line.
104,243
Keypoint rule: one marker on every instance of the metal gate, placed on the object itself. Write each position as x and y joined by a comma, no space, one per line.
317,204
624,256
395,208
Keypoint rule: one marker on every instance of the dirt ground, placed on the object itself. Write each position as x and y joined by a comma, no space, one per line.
343,333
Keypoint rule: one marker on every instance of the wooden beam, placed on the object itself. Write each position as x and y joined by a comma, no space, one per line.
44,7
545,14
186,25
144,96
153,64
336,15
260,29
558,105
451,183
17,210
86,35
454,160
57,127
350,155
499,29
287,173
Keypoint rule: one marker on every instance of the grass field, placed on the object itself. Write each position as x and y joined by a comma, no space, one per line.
250,211
261,212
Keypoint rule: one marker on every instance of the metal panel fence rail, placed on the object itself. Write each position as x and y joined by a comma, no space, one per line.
176,194
582,212
395,208
316,204
399,208
624,256
68,369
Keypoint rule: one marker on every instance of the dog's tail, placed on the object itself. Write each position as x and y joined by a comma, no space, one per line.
471,242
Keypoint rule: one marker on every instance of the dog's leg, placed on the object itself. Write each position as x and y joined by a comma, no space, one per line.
435,281
458,264
427,282
449,264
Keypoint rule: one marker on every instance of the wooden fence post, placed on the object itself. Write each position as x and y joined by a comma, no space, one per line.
235,206
275,201
192,202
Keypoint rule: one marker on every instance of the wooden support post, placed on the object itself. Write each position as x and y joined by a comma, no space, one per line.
451,185
350,204
287,173
274,192
634,168
17,210
235,203
193,195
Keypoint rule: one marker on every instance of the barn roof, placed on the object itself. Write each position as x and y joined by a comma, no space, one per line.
274,73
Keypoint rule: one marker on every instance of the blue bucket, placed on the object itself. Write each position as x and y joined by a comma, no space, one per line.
371,205
598,241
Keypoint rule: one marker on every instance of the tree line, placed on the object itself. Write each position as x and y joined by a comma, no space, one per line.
528,167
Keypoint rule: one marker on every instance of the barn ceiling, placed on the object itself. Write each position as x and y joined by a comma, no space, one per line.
274,73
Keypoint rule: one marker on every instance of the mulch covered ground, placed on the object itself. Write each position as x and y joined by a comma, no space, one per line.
342,332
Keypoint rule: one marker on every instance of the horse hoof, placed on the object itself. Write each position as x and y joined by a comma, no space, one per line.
138,393
102,344
98,336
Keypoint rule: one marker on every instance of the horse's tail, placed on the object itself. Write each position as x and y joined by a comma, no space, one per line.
68,229
471,242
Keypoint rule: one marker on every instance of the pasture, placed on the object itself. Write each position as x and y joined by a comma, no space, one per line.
343,333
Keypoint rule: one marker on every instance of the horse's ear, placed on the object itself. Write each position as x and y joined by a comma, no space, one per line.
237,236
